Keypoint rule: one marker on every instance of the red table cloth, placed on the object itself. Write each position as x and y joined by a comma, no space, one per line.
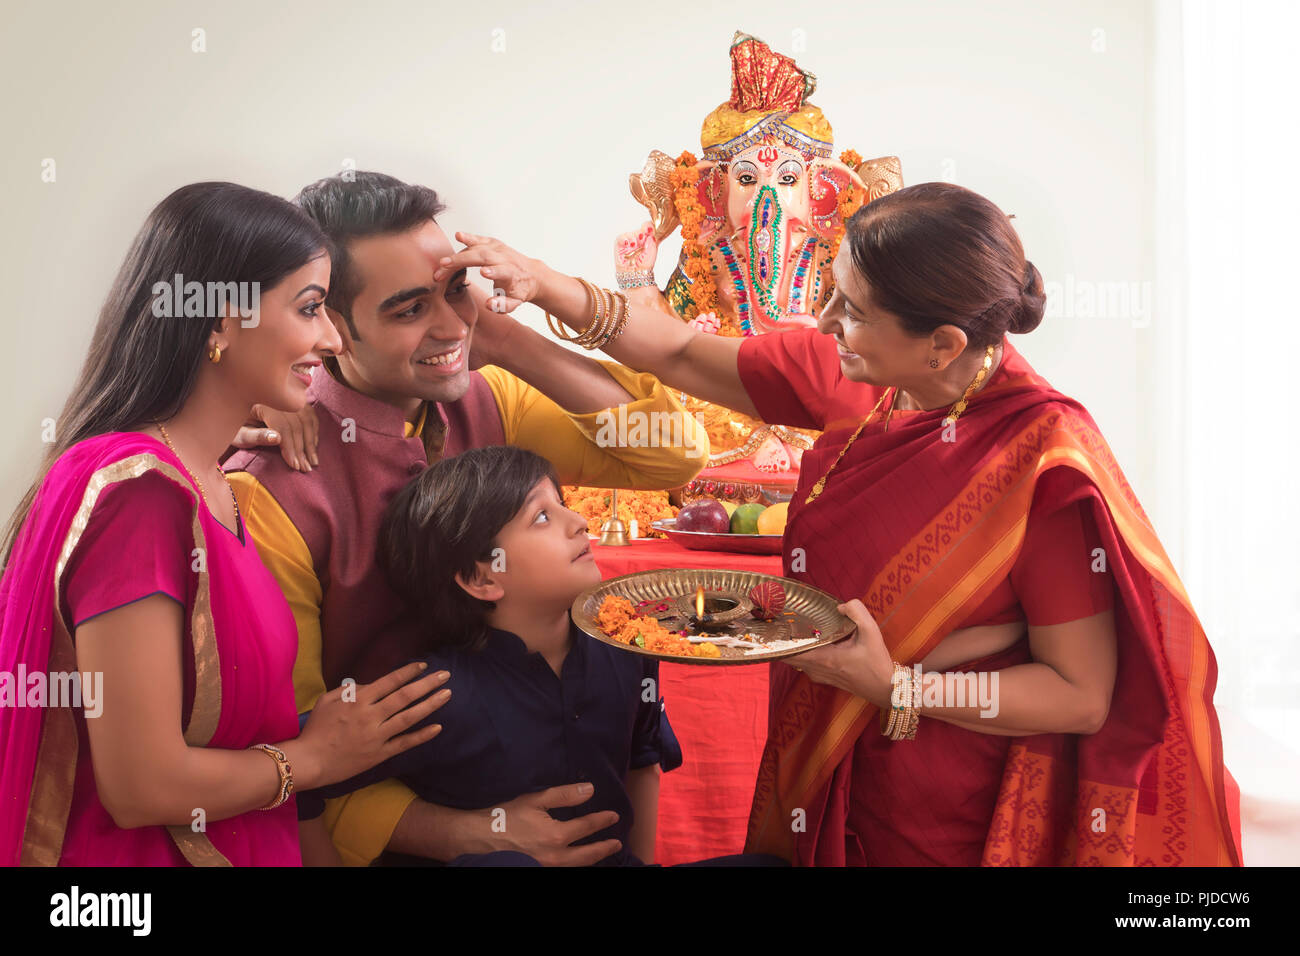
718,713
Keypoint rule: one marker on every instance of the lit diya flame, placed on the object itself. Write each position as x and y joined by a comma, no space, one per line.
713,610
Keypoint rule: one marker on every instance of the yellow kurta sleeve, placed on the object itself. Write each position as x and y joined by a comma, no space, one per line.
360,823
655,445
286,556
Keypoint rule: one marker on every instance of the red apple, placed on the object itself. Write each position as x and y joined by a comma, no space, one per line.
705,515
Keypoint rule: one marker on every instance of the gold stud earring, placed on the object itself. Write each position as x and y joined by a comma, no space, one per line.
214,354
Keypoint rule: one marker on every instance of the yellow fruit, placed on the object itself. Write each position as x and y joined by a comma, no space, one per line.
772,520
730,506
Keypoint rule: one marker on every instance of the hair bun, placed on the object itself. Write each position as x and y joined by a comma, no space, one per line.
1033,301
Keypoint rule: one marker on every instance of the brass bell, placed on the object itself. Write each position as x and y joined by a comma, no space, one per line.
614,531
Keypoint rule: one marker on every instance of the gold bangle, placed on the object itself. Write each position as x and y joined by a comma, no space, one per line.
614,315
908,729
598,307
285,771
606,317
917,679
901,720
905,721
557,329
889,716
610,311
623,316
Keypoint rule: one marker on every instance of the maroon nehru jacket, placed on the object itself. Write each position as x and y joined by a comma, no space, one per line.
338,508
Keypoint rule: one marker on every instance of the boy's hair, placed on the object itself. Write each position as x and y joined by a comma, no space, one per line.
366,204
443,522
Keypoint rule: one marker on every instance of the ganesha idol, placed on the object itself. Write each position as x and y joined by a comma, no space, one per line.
762,216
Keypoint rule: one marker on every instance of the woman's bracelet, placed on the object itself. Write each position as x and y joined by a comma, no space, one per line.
899,720
632,279
609,316
285,771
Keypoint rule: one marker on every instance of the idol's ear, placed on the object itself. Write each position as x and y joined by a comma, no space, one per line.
712,195
652,188
880,176
829,178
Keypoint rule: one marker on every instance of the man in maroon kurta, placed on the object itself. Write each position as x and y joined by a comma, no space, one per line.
402,393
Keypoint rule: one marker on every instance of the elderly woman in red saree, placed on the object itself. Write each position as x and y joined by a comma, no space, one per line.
973,520
130,577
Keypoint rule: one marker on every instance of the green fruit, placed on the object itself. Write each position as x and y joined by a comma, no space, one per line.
744,520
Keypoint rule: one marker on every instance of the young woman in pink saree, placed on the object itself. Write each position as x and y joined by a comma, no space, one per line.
128,564
955,501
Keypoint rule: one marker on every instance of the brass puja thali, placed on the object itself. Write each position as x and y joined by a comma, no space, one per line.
748,618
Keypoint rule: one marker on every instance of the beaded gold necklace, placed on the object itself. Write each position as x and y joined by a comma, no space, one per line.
167,439
954,413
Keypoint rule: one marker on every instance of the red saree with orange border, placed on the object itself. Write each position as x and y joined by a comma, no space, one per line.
922,527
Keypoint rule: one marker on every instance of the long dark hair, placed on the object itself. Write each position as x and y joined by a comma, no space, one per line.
142,367
446,520
938,254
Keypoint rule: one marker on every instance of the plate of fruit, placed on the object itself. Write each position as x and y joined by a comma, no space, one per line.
707,524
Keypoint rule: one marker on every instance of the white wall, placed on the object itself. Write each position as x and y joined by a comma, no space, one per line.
1025,102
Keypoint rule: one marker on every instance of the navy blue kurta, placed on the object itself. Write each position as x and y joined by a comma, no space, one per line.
512,727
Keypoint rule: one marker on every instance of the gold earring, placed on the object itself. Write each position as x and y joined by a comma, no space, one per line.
214,354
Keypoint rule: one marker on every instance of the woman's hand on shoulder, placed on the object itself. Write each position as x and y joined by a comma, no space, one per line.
297,434
354,727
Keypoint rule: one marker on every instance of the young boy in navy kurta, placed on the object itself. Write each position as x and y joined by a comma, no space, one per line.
485,553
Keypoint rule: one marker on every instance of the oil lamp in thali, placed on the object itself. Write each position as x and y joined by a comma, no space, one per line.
713,610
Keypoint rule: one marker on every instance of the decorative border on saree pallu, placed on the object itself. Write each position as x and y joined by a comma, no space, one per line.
56,760
928,608
825,734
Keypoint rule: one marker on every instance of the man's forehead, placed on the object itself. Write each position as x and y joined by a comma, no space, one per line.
401,259
423,242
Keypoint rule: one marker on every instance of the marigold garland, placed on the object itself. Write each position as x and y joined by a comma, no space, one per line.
850,201
685,182
619,620
644,506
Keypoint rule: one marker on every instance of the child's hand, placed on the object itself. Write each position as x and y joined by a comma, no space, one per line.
530,829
